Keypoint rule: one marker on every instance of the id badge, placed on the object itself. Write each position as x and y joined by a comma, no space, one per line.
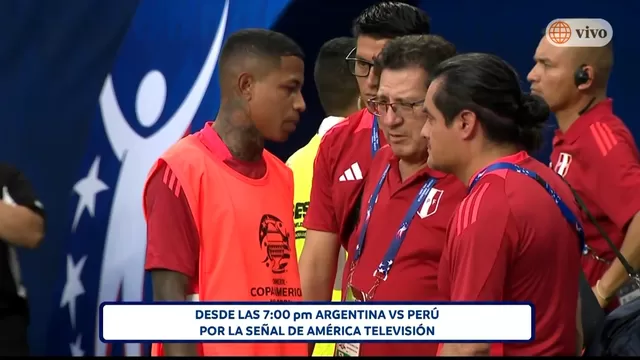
350,349
629,292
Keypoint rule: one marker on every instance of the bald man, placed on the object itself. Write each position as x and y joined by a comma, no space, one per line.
218,206
595,152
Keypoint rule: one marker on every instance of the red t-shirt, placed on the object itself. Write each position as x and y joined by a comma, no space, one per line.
342,162
172,237
508,241
414,274
599,158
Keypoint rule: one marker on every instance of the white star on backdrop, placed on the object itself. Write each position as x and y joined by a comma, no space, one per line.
87,188
72,287
76,347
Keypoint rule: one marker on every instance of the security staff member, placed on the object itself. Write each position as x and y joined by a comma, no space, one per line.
21,225
338,93
595,152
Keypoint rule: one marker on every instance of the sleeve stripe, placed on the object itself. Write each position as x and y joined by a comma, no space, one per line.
167,171
603,137
169,178
468,210
476,206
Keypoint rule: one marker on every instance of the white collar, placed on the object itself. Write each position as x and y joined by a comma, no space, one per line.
328,123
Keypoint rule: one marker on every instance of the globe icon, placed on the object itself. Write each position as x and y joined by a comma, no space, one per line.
559,32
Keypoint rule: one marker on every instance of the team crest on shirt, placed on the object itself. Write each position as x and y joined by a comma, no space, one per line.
275,242
562,166
430,205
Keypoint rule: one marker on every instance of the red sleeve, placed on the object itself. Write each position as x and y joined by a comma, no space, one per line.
321,215
480,253
172,236
615,166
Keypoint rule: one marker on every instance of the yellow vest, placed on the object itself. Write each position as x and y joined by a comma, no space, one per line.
301,163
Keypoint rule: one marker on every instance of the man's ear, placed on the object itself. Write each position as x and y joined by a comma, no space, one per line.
467,122
246,84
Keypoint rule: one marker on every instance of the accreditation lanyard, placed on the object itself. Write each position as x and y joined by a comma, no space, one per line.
382,271
564,209
375,136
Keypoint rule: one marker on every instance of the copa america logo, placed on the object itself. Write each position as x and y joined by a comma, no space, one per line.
579,32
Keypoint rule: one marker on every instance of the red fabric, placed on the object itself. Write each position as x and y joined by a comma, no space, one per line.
599,158
346,144
413,276
508,241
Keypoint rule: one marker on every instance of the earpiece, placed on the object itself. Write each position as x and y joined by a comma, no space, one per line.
581,75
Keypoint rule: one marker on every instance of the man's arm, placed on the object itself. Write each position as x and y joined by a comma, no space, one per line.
172,246
616,171
319,257
21,213
616,275
479,261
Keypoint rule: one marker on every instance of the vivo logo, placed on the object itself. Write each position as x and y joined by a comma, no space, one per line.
579,32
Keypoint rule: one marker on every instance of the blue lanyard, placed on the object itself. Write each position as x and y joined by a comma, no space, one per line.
385,265
375,136
564,209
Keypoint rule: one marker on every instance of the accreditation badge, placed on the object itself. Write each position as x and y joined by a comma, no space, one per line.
629,292
350,349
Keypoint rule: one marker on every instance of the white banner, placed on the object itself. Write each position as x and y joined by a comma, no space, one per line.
326,322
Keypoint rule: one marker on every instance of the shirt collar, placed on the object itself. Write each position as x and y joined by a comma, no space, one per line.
513,159
424,173
583,122
211,139
328,123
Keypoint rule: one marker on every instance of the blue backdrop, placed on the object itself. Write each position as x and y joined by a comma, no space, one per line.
92,90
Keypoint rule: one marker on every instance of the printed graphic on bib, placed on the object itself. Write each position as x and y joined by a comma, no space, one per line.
275,242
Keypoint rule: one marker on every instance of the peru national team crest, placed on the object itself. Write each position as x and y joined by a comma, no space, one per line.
562,166
430,205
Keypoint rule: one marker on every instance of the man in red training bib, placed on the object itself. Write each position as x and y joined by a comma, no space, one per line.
218,206
515,237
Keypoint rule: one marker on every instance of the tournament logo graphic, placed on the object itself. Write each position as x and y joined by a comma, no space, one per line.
274,240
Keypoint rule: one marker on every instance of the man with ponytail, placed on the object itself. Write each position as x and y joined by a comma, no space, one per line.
515,236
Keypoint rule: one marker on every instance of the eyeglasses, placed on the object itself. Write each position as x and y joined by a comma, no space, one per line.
381,108
358,67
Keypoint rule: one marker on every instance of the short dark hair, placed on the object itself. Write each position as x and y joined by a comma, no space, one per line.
337,88
490,87
267,45
424,51
390,19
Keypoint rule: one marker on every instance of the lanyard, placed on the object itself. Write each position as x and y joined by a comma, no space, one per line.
564,209
375,136
383,269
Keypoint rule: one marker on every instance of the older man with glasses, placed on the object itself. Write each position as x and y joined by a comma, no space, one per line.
346,150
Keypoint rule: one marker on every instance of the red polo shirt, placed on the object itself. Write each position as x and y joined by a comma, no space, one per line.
413,276
508,241
342,162
599,158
